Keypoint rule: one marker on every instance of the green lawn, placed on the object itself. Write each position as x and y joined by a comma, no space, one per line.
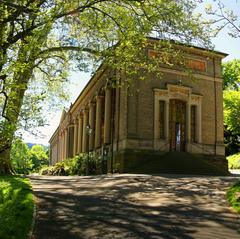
233,195
16,207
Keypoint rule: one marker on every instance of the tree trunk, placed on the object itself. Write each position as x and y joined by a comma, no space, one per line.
10,123
5,163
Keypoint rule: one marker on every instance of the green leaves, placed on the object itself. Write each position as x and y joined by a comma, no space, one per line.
25,160
231,110
20,157
231,85
231,75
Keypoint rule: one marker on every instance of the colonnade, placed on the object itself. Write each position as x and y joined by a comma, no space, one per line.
91,127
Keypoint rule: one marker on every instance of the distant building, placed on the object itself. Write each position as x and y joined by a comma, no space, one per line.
176,113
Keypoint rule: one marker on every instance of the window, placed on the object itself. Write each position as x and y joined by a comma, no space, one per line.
193,123
161,118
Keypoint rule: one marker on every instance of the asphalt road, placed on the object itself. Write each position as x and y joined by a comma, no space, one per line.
133,206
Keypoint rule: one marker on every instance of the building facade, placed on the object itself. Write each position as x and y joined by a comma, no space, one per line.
177,113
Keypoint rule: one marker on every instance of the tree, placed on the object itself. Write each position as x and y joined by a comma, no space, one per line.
231,110
39,157
231,75
25,160
224,18
38,40
231,99
20,159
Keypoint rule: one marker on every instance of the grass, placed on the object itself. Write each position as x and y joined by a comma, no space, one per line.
16,207
233,196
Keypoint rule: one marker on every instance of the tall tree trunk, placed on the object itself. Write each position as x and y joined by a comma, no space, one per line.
9,126
10,123
5,163
19,85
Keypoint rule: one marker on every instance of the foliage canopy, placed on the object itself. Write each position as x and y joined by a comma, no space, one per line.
25,160
39,41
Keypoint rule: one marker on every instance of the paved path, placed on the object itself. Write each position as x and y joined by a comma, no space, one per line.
134,206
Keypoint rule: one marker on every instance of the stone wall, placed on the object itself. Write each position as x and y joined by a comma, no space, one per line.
140,121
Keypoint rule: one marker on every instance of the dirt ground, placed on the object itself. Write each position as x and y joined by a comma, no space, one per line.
133,206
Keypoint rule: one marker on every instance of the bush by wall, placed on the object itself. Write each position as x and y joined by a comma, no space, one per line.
83,164
234,161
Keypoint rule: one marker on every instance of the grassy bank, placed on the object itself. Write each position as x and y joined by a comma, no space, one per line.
233,195
16,207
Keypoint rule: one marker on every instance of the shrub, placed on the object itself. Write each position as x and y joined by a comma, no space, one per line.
58,169
83,164
234,161
233,196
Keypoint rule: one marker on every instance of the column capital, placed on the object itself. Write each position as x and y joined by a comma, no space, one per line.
86,110
91,103
99,97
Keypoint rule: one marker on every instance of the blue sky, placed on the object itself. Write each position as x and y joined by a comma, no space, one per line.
223,43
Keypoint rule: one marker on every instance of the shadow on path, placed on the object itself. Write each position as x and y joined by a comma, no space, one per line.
134,206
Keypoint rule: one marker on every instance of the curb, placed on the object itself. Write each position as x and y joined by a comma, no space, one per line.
30,234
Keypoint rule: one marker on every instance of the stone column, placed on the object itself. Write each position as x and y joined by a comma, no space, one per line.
85,136
218,102
98,121
63,145
166,120
188,126
80,134
107,116
66,143
60,147
91,124
199,123
156,118
75,142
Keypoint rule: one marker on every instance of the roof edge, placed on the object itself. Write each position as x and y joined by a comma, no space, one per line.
222,54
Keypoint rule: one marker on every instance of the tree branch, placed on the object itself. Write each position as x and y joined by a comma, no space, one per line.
3,92
70,48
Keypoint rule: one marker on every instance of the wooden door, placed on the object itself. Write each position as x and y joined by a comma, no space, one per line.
177,125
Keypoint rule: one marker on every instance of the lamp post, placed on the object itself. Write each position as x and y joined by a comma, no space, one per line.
89,132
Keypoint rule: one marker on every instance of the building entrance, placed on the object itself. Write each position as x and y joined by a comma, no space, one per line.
177,125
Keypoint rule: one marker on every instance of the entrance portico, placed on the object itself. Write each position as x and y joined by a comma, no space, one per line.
177,118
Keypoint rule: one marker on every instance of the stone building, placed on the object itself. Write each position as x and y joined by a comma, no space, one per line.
177,113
